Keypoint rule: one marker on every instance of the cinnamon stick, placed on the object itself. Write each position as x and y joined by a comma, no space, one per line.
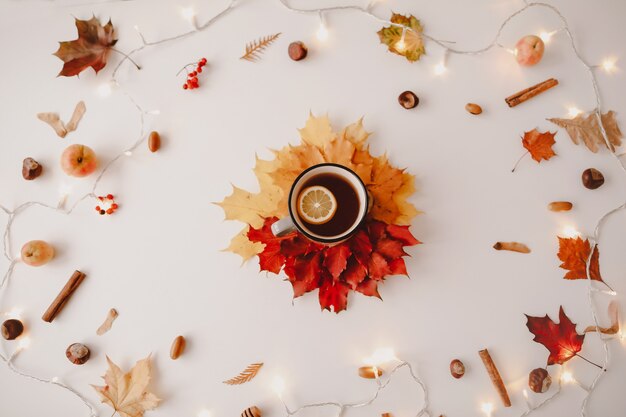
530,92
496,379
65,294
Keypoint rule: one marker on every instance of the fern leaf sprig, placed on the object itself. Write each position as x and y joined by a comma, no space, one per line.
255,48
246,375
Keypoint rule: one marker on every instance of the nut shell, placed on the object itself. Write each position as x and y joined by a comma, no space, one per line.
11,329
178,347
154,141
539,380
253,411
457,368
408,99
297,51
367,372
473,108
31,169
592,178
77,353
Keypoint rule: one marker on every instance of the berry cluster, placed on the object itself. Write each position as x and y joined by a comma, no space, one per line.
192,77
108,204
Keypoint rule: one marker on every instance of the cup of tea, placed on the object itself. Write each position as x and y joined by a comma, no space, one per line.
327,203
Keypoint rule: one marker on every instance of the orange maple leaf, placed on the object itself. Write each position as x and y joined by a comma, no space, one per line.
574,252
539,144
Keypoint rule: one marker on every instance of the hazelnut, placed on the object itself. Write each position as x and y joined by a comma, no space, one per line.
31,169
539,380
457,369
297,51
154,141
11,329
77,353
473,108
408,99
592,178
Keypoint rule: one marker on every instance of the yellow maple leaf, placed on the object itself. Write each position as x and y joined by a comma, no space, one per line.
128,392
317,131
241,245
251,208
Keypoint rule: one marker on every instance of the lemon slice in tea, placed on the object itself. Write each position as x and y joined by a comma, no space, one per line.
316,204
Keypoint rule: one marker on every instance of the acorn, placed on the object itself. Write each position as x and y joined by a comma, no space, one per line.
539,380
592,178
11,329
77,353
297,51
251,412
457,369
408,99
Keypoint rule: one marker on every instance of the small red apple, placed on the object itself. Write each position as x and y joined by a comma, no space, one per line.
529,50
37,253
79,161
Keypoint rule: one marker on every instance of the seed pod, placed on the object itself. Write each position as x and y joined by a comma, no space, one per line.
297,51
367,372
178,347
77,353
31,169
560,206
457,369
473,108
408,99
11,329
592,178
154,141
251,412
539,380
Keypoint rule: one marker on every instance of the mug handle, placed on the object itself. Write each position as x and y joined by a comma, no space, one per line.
283,227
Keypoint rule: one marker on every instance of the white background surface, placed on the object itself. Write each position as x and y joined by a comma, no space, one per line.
158,259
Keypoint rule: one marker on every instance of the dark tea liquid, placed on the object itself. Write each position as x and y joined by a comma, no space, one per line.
347,205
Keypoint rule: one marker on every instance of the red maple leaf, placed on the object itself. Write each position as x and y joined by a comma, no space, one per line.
560,339
91,49
574,253
358,264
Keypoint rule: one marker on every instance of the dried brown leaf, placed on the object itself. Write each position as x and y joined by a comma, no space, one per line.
127,393
79,111
108,322
586,129
255,48
55,122
246,375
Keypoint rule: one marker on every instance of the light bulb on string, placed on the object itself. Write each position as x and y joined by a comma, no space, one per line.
487,409
400,46
546,36
608,65
189,14
570,231
204,413
278,386
573,111
105,89
567,377
128,153
322,31
24,343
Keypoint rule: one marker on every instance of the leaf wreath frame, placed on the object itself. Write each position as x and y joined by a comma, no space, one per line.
11,214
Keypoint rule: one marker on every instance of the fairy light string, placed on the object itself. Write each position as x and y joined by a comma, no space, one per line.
608,65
